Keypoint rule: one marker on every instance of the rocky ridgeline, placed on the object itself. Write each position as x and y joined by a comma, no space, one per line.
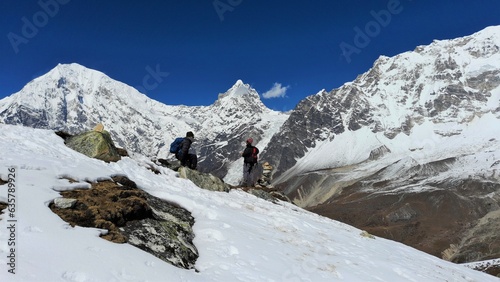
130,215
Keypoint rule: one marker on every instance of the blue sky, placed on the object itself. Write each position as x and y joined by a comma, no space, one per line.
186,52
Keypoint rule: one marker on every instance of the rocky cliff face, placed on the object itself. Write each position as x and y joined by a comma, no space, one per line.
447,82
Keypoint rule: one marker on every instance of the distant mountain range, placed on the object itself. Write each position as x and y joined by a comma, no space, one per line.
73,98
409,150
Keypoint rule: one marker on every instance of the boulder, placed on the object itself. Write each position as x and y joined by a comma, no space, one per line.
94,144
64,203
133,216
173,165
204,180
172,239
261,194
122,152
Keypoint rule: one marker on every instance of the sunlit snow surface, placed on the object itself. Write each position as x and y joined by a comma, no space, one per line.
239,237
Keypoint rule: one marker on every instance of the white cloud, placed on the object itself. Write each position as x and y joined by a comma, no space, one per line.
276,91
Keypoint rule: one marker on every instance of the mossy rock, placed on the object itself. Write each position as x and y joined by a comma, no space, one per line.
94,144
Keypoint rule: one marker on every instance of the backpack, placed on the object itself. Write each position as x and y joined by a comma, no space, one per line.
176,145
254,157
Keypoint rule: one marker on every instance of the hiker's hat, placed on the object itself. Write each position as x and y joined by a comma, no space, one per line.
250,140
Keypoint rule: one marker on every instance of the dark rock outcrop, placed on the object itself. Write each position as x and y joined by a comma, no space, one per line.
172,240
133,216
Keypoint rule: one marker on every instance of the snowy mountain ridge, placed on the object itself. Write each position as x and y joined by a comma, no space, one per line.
73,98
447,82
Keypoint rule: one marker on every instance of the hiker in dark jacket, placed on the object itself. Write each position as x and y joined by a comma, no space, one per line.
186,157
249,164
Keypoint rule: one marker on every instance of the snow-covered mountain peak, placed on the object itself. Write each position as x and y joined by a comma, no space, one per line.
239,89
71,75
240,96
72,69
68,82
74,98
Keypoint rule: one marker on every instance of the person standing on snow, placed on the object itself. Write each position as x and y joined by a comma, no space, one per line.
249,161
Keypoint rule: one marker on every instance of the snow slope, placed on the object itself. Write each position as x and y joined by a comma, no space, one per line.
426,143
239,237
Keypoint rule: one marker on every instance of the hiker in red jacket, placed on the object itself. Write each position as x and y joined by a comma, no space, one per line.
249,164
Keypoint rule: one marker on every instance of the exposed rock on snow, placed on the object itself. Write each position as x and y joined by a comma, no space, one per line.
204,180
491,267
129,215
95,144
167,235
